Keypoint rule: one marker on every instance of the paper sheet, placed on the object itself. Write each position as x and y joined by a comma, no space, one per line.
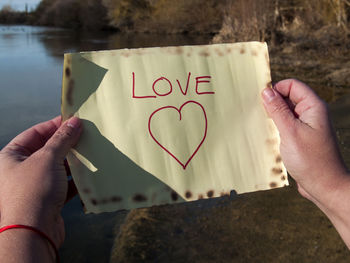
172,124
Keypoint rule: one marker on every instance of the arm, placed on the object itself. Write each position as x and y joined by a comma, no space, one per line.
33,189
309,150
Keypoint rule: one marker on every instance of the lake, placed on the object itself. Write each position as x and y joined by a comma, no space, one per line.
31,62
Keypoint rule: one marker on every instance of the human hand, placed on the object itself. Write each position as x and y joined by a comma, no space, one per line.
308,146
33,180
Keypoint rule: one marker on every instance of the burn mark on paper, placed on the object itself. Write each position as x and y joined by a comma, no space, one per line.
204,53
174,196
210,193
267,60
178,50
254,53
273,185
218,51
278,159
269,85
276,170
271,141
188,194
139,198
116,198
67,71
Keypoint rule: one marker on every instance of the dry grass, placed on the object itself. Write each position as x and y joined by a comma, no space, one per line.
165,16
246,20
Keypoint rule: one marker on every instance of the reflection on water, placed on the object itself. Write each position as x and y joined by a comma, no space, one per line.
31,60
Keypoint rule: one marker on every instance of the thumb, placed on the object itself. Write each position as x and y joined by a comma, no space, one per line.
64,139
279,111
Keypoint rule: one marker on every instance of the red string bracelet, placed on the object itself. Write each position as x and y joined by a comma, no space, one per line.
42,234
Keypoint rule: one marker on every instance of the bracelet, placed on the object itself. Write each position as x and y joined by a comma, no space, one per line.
37,231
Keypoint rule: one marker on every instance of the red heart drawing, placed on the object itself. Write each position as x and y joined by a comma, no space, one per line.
179,112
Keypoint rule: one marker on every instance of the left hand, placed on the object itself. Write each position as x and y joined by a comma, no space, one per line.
33,179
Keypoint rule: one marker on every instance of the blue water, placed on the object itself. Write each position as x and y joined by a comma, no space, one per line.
31,60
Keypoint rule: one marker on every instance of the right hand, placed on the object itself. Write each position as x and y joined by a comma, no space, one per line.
308,146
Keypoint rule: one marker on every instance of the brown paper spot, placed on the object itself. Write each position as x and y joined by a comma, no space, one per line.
278,159
254,53
174,196
233,192
178,50
126,54
67,72
69,93
277,170
267,60
210,193
283,178
116,198
93,201
218,51
188,54
204,53
139,198
273,185
228,50
271,141
242,51
200,196
188,194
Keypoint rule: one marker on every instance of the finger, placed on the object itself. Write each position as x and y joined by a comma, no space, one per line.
35,137
278,109
307,104
295,90
64,139
72,191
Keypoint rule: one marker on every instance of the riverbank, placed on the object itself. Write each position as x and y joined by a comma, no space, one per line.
240,19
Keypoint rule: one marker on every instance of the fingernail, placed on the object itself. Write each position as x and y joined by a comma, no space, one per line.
74,122
268,94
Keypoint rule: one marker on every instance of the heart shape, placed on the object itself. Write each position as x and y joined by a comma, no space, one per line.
184,165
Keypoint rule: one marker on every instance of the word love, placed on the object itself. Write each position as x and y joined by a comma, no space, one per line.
164,87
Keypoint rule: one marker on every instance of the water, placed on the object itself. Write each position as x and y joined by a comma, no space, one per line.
31,60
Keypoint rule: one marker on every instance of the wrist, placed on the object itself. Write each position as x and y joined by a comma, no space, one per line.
34,245
45,223
331,194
